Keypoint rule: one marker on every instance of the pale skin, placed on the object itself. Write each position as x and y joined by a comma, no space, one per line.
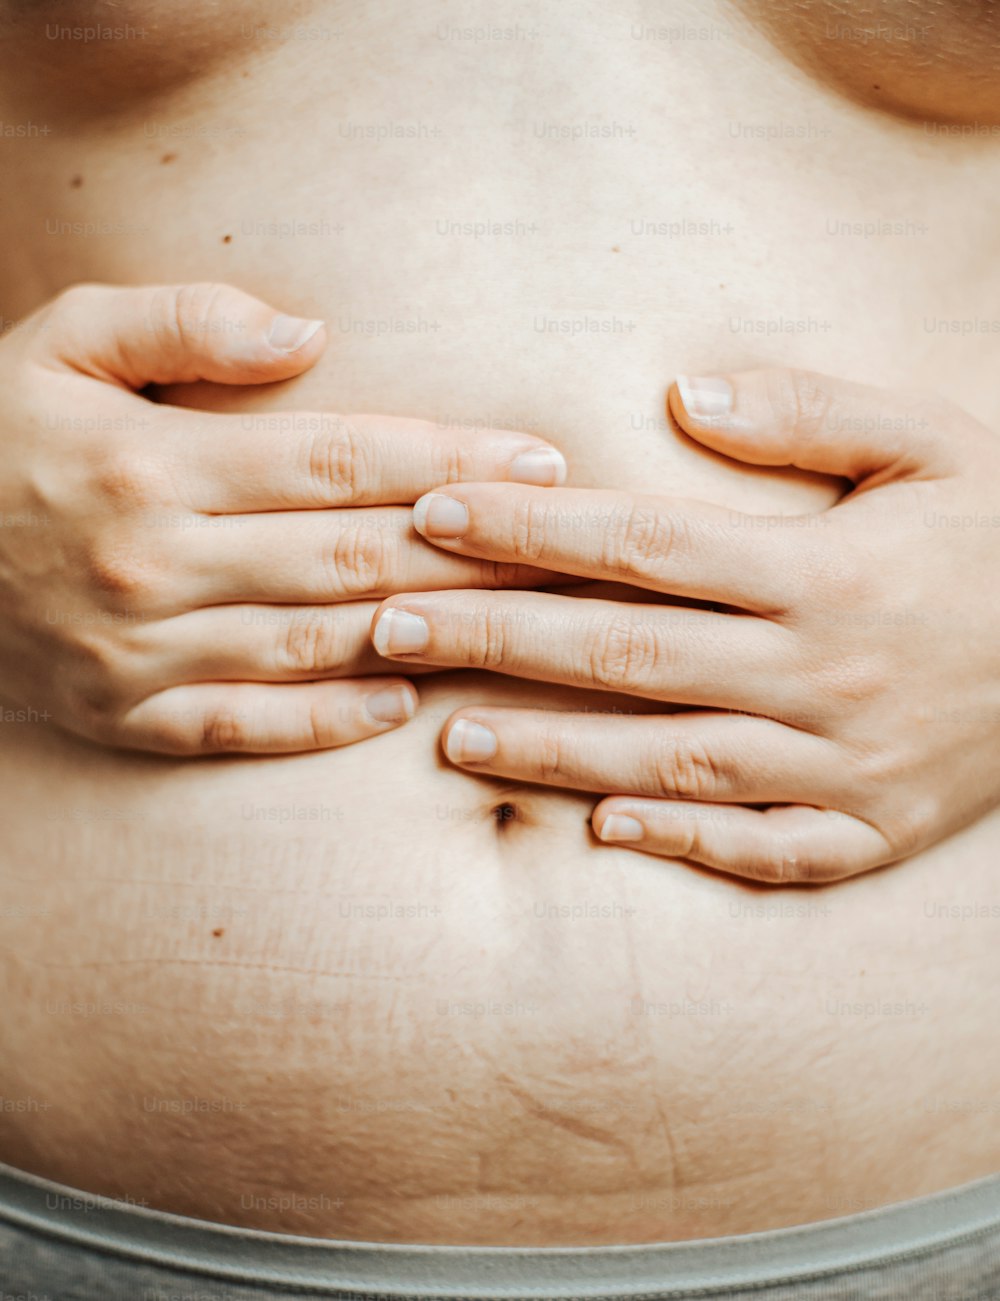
819,758
193,583
806,753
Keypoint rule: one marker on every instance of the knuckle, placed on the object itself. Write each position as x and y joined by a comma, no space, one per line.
182,313
550,755
485,640
623,655
828,584
530,530
779,868
101,664
502,574
128,480
338,462
95,702
803,583
873,767
310,645
786,862
917,823
453,462
361,561
686,771
223,728
801,397
851,679
118,572
318,730
641,541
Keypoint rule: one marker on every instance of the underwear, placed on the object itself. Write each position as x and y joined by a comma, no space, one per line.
59,1244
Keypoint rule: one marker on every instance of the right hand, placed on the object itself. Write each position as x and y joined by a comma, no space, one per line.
191,583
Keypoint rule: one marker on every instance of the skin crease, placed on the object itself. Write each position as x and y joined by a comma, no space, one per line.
935,61
584,1044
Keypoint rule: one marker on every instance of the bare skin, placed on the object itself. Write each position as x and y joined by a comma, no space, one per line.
820,758
245,632
583,1044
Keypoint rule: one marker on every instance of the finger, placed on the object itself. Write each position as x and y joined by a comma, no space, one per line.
785,845
664,653
816,422
215,718
166,334
689,549
689,756
265,643
321,556
262,461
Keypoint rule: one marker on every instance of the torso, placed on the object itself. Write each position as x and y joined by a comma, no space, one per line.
335,994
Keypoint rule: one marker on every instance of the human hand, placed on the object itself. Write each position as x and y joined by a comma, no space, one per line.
847,673
190,583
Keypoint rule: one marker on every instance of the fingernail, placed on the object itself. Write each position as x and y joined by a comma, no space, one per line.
542,466
290,333
619,826
470,743
399,632
436,515
393,705
705,397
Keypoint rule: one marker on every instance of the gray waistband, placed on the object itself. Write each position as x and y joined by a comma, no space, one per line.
215,1251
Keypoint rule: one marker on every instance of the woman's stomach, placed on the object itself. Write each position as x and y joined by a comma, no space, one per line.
362,994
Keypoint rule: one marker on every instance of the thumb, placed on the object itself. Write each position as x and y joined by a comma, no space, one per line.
796,417
174,334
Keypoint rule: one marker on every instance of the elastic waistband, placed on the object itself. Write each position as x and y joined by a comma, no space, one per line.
380,1270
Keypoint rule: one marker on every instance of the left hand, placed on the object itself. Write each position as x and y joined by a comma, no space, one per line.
849,687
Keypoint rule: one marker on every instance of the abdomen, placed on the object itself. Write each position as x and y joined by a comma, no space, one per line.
364,995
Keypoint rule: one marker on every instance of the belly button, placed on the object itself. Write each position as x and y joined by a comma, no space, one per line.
505,814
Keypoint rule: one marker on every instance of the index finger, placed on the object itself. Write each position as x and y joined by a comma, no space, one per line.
670,545
270,460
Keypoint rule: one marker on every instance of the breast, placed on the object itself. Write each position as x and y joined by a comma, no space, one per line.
84,60
934,61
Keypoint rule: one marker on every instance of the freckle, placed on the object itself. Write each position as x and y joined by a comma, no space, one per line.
76,182
876,87
168,158
218,932
227,239
616,249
